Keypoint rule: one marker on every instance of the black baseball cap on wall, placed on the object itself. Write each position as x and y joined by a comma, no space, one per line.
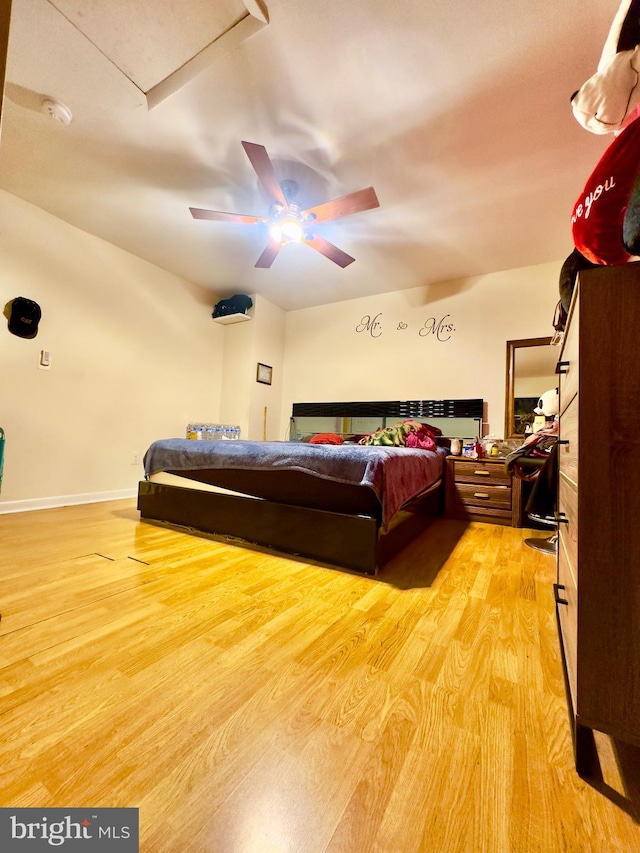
24,317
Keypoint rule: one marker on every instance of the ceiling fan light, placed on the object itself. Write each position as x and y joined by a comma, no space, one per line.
286,231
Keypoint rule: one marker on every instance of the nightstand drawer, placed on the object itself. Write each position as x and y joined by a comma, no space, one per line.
483,494
476,471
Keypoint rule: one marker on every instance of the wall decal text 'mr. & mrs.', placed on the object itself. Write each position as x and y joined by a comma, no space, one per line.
441,329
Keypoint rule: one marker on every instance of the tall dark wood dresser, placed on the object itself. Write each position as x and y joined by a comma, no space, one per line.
598,584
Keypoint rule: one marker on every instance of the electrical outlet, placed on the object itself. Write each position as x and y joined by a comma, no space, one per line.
135,457
45,359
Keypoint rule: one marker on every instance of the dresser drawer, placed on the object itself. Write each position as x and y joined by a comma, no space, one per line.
568,618
568,527
568,361
568,452
483,494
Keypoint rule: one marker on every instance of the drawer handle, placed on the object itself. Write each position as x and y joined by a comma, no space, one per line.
562,367
483,473
480,495
560,518
556,594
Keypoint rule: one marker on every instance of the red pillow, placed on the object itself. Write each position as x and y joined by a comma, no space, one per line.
326,438
598,214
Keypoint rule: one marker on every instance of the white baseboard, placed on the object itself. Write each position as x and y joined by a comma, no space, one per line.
66,500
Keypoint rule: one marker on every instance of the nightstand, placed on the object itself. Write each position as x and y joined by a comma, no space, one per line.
483,490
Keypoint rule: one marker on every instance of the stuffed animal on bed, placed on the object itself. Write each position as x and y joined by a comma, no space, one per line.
606,216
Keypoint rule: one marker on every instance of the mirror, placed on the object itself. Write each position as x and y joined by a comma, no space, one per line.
531,370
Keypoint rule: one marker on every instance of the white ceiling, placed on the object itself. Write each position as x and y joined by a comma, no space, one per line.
457,113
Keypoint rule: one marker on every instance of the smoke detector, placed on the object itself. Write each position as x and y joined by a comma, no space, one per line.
57,111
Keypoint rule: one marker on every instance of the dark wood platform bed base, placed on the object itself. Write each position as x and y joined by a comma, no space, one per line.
350,541
295,512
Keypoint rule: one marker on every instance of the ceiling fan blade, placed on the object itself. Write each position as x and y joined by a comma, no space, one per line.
269,255
264,170
344,206
330,251
199,213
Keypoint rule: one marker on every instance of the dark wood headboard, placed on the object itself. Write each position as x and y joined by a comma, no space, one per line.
456,418
392,409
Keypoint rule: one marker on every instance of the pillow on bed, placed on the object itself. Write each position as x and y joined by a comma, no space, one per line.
422,435
422,439
404,434
434,430
385,436
326,438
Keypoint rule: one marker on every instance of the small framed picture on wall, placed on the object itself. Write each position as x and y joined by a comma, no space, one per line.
264,374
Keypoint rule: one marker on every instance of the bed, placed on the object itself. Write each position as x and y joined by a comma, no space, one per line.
348,505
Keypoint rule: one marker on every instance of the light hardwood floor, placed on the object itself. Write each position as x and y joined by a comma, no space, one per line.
250,703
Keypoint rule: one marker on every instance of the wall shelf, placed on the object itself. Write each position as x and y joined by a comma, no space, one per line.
227,319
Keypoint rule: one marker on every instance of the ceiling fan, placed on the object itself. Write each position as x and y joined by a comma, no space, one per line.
287,223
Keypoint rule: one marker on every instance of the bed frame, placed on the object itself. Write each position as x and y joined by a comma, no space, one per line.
355,542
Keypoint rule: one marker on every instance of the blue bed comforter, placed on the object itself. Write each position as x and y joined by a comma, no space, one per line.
396,474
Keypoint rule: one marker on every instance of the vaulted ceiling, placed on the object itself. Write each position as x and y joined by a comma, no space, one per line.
457,113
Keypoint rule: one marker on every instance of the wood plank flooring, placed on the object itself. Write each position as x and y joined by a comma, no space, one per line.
250,703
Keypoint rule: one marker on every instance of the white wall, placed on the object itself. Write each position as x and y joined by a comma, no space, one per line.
135,356
244,400
238,375
269,349
330,355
